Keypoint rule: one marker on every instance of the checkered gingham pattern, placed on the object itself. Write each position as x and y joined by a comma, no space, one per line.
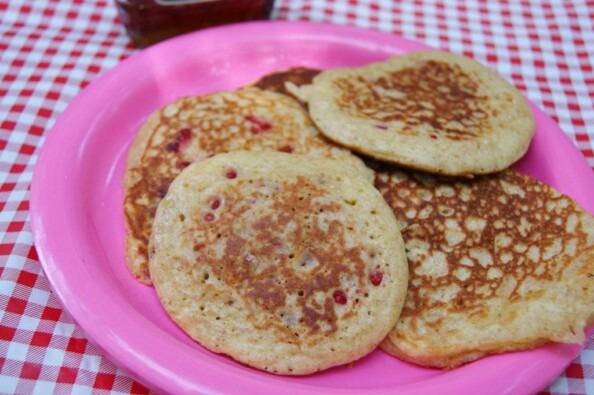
50,49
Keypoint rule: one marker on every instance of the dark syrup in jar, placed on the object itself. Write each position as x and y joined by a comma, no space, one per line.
150,21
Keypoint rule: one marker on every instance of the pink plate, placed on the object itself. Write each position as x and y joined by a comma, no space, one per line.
76,209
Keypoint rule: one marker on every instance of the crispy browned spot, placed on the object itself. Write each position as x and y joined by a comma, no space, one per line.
276,81
487,237
284,260
433,94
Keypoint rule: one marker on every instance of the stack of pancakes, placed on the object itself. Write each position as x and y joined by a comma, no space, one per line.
268,240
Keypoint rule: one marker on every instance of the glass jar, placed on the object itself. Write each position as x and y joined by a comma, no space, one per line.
149,21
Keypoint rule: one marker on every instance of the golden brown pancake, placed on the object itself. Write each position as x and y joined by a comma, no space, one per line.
432,111
288,263
497,263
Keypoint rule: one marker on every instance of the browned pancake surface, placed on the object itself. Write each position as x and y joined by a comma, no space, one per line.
276,82
266,257
431,111
436,94
479,251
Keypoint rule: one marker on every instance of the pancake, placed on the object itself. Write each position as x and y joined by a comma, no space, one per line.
498,263
194,128
432,111
287,263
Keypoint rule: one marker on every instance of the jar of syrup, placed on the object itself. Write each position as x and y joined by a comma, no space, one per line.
149,21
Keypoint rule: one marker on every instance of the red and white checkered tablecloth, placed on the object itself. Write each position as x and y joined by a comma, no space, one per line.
50,49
